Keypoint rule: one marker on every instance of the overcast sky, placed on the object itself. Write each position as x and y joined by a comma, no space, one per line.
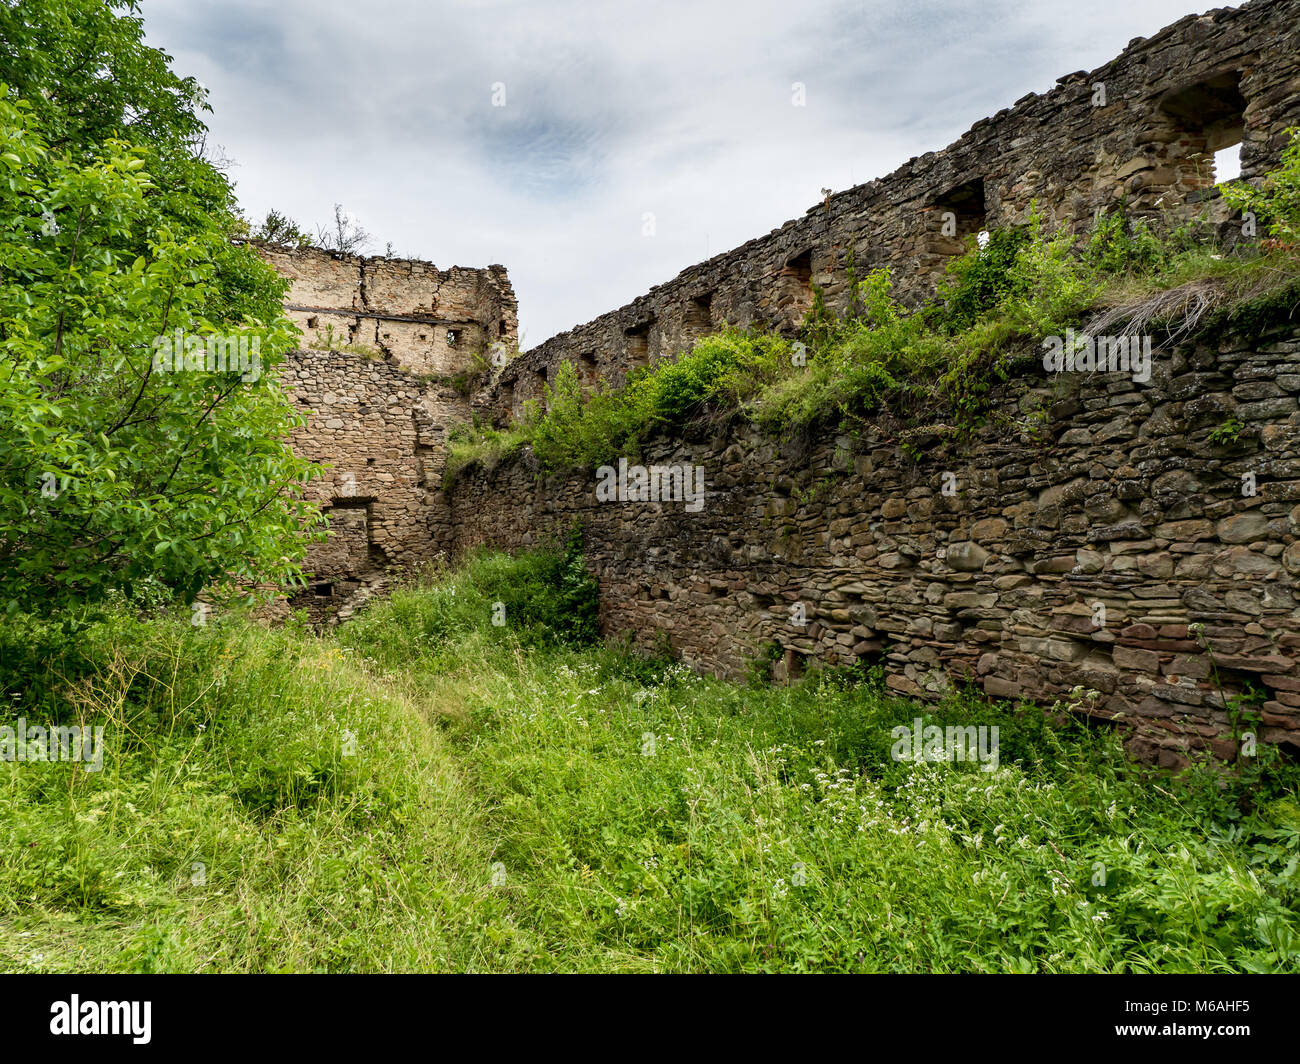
612,111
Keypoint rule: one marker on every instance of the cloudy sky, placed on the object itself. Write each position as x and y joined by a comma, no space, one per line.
680,109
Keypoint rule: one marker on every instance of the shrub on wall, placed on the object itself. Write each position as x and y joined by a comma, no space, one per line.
1276,201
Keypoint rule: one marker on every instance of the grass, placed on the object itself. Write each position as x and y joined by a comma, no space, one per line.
426,790
475,442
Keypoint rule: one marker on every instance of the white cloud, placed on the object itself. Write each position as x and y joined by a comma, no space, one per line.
682,108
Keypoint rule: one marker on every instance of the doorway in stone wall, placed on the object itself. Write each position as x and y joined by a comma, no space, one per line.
349,548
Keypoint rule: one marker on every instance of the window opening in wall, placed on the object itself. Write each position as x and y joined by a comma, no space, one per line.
312,321
1227,164
800,268
958,214
323,590
1208,120
698,316
587,367
453,337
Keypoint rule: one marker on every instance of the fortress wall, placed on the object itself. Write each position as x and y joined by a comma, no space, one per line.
981,563
1141,129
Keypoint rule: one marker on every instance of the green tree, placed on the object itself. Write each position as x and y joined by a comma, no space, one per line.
280,231
121,467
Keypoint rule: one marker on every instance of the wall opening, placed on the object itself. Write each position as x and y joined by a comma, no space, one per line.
588,372
1207,121
796,297
956,215
347,548
1227,163
698,315
800,267
638,344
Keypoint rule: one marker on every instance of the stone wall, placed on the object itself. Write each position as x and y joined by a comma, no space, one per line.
430,321
378,410
1142,128
1082,548
381,430
1121,499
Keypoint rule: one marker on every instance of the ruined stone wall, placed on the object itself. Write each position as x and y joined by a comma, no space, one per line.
430,321
1127,503
378,411
381,430
1141,128
1122,499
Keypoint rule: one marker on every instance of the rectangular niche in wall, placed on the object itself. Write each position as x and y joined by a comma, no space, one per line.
506,411
697,317
796,294
637,338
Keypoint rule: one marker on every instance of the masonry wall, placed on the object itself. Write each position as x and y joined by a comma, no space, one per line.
1142,129
381,430
378,411
1126,503
430,321
1121,498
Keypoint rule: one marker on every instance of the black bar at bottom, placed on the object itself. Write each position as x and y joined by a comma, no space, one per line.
610,1015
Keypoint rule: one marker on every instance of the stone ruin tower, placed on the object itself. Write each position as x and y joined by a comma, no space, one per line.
391,350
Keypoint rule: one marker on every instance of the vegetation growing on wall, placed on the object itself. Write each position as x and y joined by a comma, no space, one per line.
937,363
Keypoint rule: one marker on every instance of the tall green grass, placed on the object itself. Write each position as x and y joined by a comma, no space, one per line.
426,790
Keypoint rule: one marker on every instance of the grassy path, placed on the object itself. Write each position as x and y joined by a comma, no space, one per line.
426,792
